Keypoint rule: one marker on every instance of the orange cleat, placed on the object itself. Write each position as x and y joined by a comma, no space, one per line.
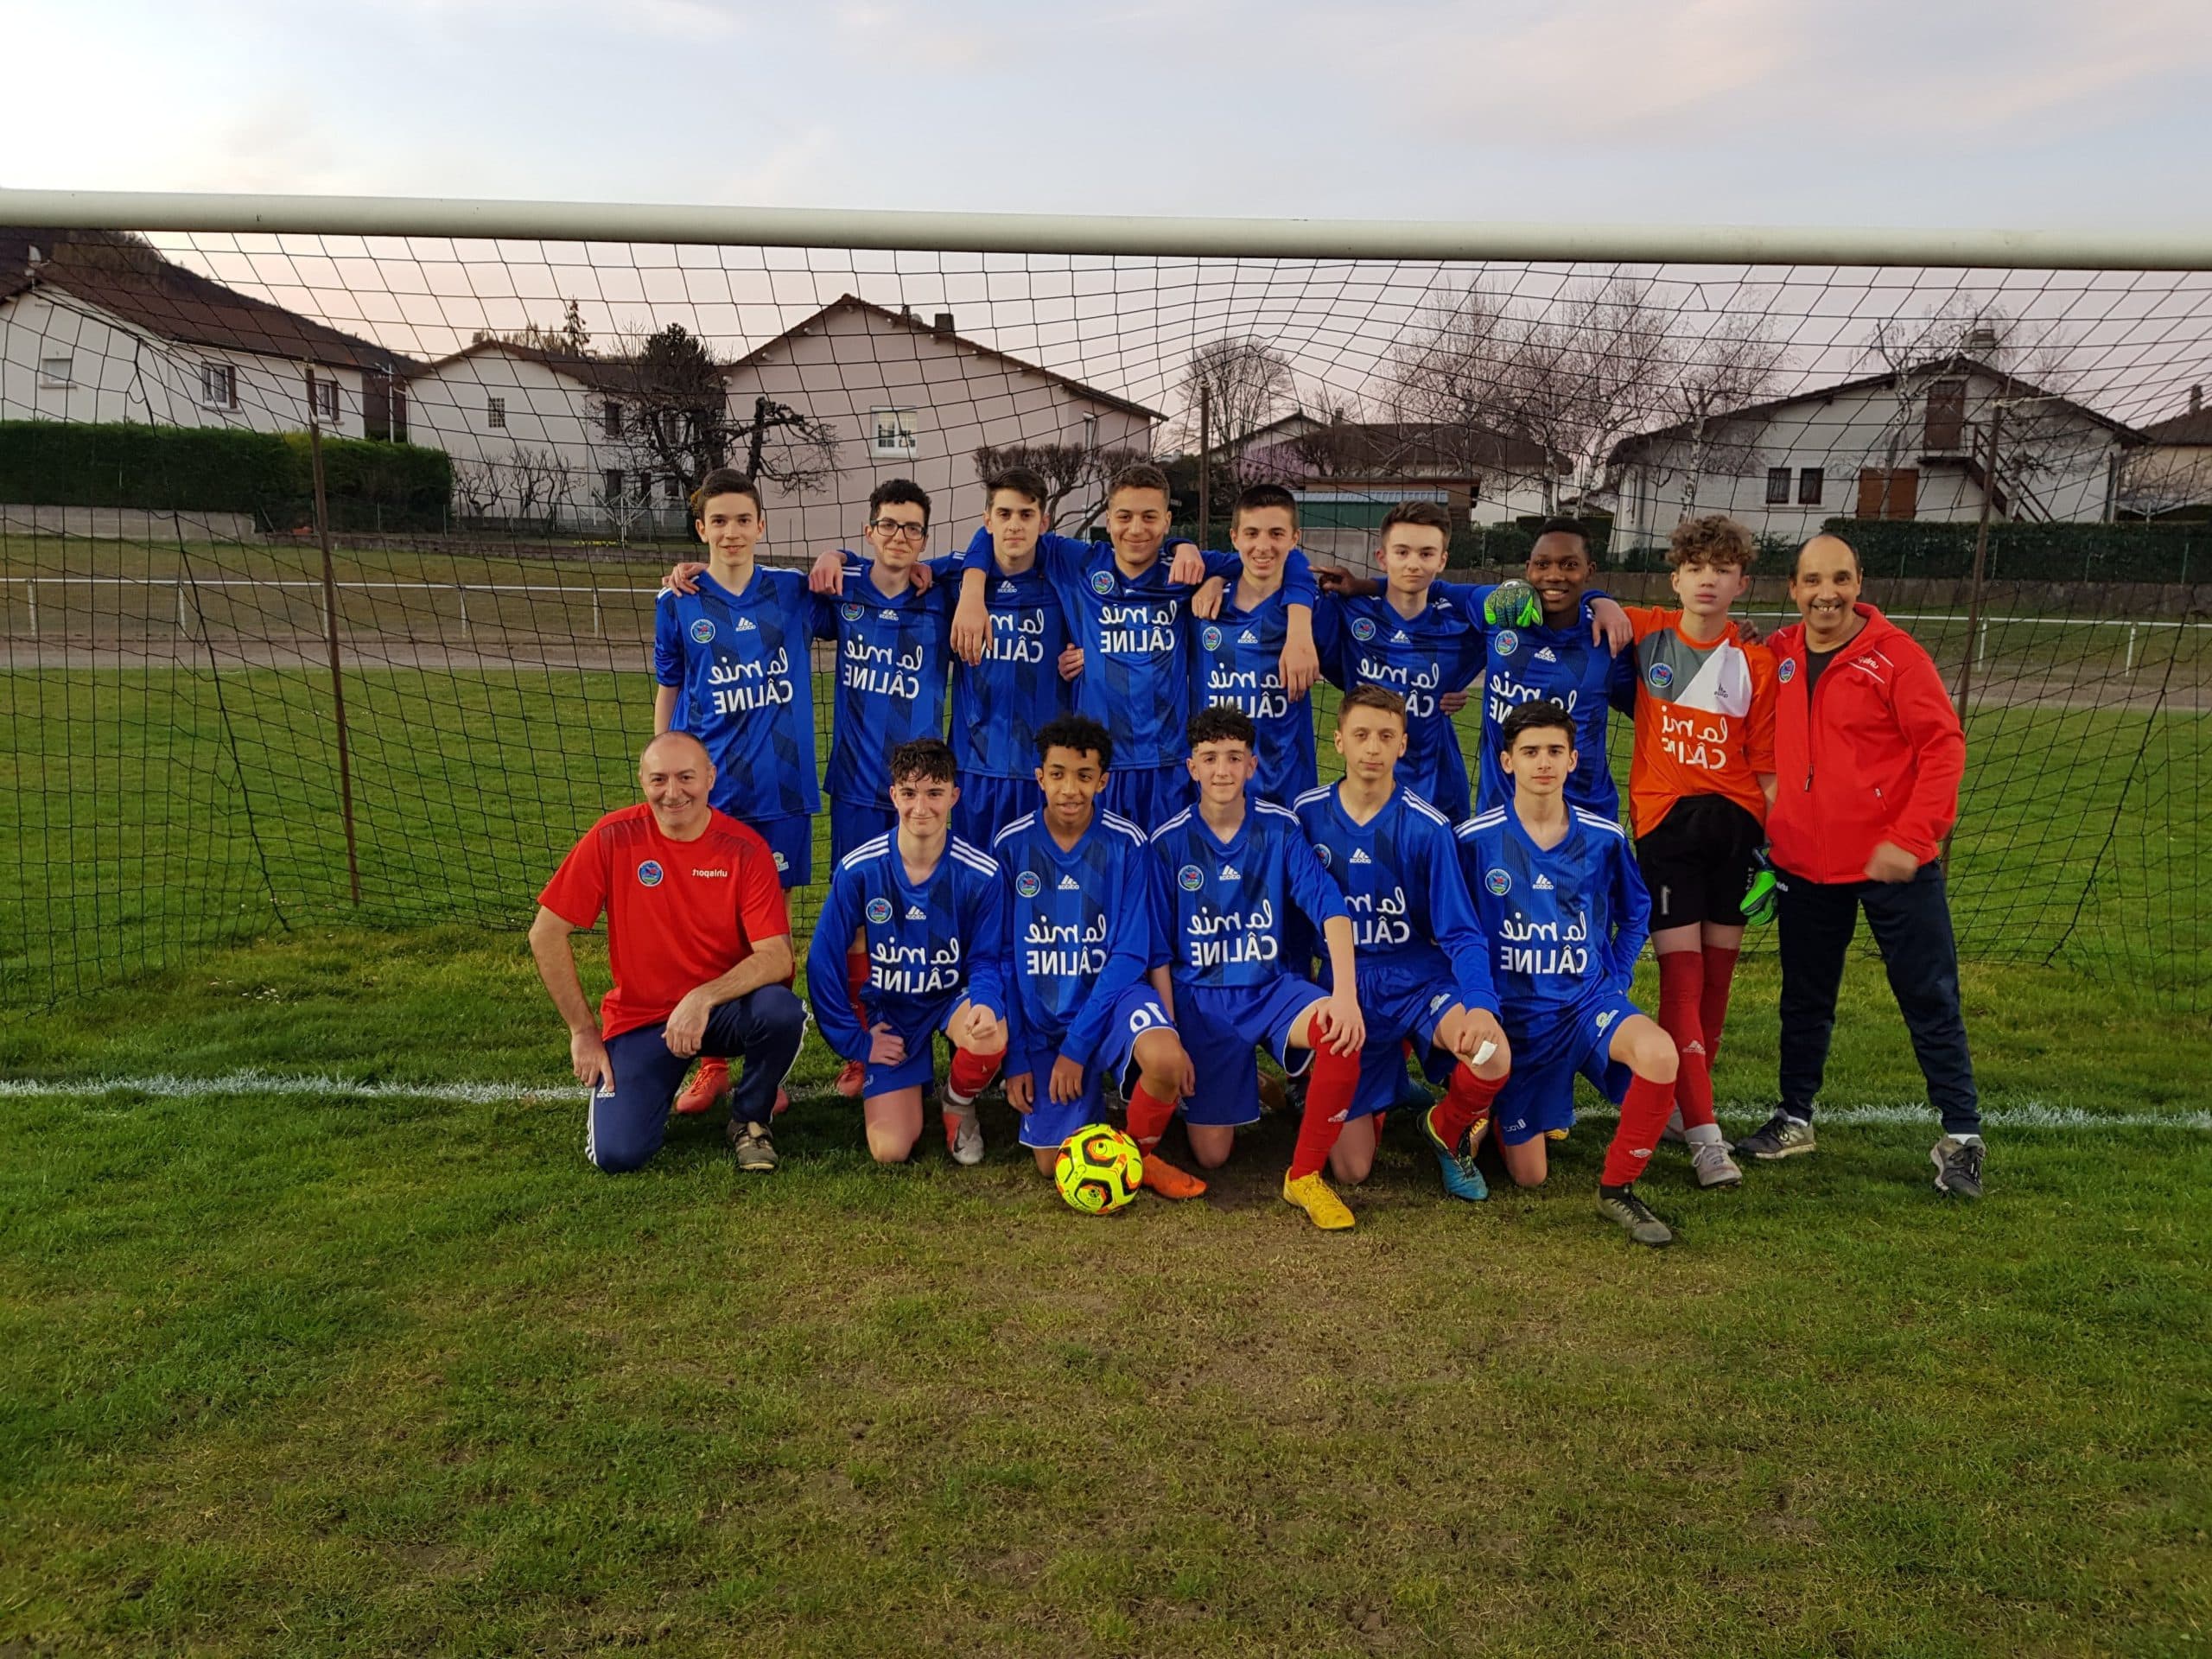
708,1084
783,1103
1169,1181
851,1080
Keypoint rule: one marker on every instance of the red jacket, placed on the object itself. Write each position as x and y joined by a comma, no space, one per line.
1875,754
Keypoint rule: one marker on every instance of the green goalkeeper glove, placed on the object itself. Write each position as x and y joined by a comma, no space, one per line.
1758,902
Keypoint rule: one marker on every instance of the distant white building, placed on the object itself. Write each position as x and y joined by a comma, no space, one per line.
100,327
1481,476
1915,444
2172,476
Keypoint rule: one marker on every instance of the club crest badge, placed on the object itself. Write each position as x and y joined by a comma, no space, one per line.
702,632
649,874
879,911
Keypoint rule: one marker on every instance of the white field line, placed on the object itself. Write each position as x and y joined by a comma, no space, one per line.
1997,1115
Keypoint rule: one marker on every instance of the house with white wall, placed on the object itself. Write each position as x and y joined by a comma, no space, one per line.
1933,442
1481,476
910,398
2170,477
100,327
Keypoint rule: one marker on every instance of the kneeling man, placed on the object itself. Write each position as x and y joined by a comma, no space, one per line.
700,944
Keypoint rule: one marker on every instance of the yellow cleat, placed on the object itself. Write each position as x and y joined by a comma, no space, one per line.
1322,1207
1555,1135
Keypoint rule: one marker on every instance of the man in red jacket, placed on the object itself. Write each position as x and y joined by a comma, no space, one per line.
1868,756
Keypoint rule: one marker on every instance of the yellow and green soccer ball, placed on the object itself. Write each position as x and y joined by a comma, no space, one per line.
1098,1169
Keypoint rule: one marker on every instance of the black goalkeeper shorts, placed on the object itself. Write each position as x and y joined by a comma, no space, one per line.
1698,863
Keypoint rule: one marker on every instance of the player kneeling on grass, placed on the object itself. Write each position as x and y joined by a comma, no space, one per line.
925,911
700,942
1082,932
1233,867
1424,973
1565,909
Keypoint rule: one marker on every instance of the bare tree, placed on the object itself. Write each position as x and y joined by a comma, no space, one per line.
537,482
475,488
1739,361
678,422
1064,469
568,338
1247,382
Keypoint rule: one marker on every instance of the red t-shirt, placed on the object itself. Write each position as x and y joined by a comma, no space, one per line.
679,913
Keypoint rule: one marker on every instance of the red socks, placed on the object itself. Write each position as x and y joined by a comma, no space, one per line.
1148,1116
1466,1103
1712,1009
970,1076
1643,1114
1329,1087
1681,993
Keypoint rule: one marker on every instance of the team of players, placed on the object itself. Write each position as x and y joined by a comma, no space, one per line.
1159,884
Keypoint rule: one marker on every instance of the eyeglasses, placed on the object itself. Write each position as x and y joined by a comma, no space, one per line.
891,528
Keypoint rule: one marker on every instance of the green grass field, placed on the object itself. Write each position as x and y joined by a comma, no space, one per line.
318,1336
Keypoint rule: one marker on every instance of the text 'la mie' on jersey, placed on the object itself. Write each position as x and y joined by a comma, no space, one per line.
893,652
1563,922
1562,665
742,668
1237,660
1226,903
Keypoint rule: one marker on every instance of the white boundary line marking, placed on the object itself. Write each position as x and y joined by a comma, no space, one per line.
1998,1115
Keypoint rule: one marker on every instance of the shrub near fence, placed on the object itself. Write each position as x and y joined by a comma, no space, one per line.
370,484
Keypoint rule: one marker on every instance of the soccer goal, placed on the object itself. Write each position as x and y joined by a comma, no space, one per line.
330,529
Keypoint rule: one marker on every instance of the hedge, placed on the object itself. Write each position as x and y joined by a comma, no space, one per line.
370,484
2118,552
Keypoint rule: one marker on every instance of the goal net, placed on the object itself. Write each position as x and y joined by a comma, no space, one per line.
328,561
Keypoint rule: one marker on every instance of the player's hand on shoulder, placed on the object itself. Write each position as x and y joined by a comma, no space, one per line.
1610,626
1020,1091
683,576
923,576
1067,1080
971,626
1188,566
885,1046
1072,662
587,1054
827,574
1299,668
1749,633
1331,578
1206,604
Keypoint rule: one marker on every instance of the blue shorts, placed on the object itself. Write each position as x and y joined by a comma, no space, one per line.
1220,1026
852,822
791,841
1148,796
1049,1122
1539,1095
919,1025
987,805
624,1124
1397,1007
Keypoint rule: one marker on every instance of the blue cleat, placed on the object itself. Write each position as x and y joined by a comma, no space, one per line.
1461,1179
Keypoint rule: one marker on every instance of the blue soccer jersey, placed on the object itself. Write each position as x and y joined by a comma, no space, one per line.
1563,923
1135,678
1081,927
1561,664
891,655
1224,904
999,704
1237,659
928,945
1402,886
1421,657
739,664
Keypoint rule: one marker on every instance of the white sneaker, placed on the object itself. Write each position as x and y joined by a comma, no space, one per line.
1714,1167
963,1138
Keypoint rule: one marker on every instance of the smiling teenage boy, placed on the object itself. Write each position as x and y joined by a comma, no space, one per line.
1566,913
1233,868
924,913
1238,651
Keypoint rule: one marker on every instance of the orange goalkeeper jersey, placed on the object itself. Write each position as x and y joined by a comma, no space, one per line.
1704,718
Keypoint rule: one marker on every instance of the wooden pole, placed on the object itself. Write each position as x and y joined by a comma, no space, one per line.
1980,558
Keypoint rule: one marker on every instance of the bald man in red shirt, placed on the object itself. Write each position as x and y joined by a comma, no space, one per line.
699,940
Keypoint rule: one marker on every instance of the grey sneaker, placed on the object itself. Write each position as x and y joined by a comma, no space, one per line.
1780,1136
1958,1166
1630,1211
754,1149
1674,1135
1714,1167
963,1138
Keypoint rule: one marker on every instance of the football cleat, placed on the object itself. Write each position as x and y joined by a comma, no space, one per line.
1958,1166
1169,1181
755,1151
1322,1207
1461,1179
1632,1214
963,1138
709,1087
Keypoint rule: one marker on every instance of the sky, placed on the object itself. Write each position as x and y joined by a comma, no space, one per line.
2039,113
2036,114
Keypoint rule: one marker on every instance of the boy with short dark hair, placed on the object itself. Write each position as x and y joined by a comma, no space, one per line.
1125,611
1560,900
1424,973
1083,936
923,913
1233,867
1699,789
